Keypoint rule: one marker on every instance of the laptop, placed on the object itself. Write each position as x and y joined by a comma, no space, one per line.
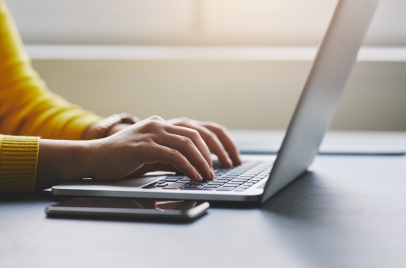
260,179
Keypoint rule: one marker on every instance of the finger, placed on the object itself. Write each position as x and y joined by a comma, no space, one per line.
186,146
215,145
225,138
194,135
155,153
212,142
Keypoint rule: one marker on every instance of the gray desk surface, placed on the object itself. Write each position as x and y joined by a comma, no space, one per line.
346,212
334,142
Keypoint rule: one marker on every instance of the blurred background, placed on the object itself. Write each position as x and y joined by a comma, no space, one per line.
241,63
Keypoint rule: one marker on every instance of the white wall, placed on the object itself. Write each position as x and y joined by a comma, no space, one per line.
183,22
238,94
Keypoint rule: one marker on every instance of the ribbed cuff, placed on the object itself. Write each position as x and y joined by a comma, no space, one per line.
18,163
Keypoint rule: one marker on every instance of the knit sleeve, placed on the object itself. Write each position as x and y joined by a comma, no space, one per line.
18,163
27,107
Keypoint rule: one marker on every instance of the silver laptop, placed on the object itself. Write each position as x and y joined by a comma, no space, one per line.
257,181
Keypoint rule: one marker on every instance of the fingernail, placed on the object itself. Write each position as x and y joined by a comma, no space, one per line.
211,173
198,177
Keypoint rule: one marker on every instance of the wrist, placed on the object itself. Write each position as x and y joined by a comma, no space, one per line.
94,151
109,126
117,128
61,160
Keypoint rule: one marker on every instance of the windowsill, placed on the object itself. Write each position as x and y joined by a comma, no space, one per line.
84,52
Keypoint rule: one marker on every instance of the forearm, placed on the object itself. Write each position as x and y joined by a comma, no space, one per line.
27,107
60,161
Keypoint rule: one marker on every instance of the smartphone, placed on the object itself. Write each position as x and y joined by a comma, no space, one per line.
128,208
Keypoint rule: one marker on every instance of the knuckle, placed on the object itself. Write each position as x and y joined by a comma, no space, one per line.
148,139
184,119
156,118
174,154
213,137
223,130
194,134
218,126
187,142
153,125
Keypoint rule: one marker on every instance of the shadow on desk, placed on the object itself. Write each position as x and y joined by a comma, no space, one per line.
302,199
295,200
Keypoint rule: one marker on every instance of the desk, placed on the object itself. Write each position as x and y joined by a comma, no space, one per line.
346,212
334,142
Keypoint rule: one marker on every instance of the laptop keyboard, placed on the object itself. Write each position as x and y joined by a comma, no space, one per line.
236,179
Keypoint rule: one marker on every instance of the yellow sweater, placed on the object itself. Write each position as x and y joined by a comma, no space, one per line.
28,108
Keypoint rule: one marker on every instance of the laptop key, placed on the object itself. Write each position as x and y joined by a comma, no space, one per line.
172,178
175,185
241,179
149,186
245,176
212,185
196,183
161,184
193,186
233,184
224,188
218,182
215,183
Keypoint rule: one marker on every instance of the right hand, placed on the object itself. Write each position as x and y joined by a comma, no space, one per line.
151,145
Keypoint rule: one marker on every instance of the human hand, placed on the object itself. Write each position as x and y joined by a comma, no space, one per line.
216,137
151,145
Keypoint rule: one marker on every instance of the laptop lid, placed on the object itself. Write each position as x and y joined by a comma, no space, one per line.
322,91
